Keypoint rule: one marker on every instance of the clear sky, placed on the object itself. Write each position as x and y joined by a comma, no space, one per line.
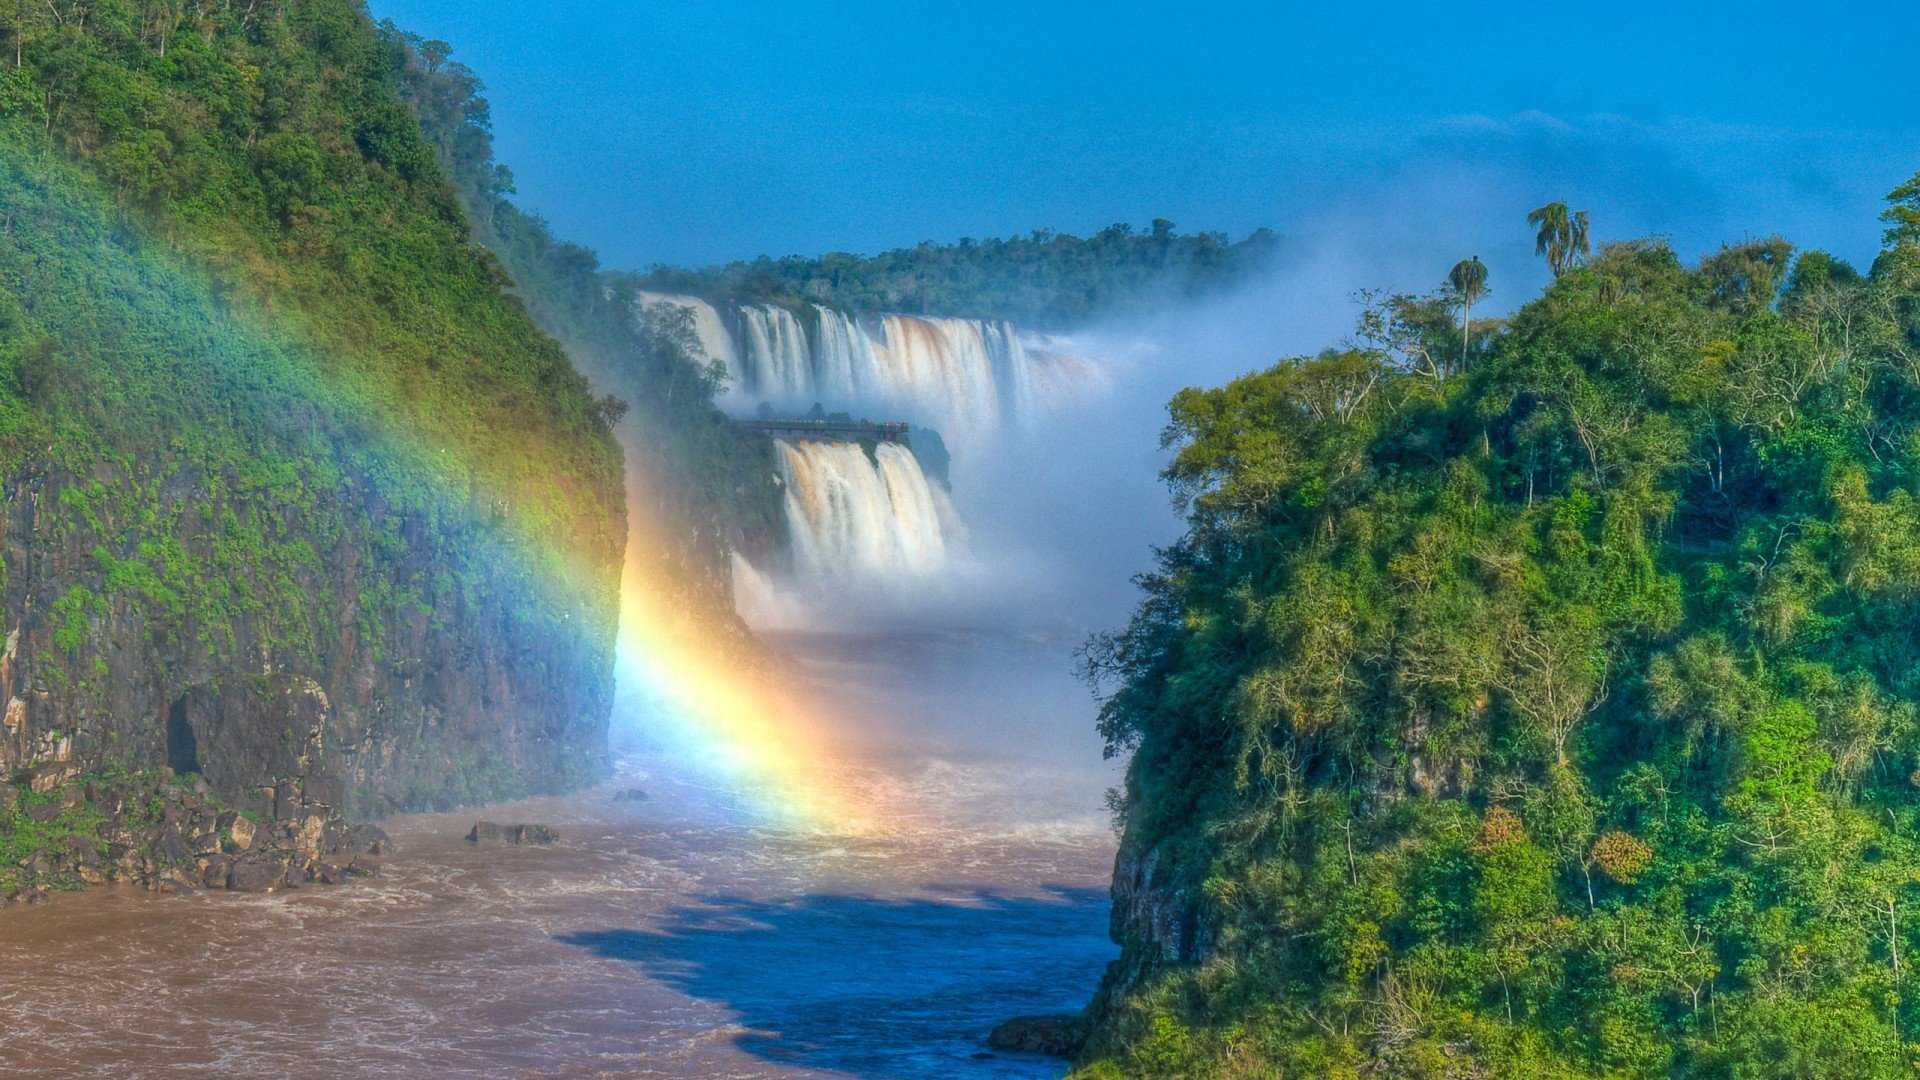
703,130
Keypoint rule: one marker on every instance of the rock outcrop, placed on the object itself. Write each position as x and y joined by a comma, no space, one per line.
474,689
1054,1034
488,832
154,830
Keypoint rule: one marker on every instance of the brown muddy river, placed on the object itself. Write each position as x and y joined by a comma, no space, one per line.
671,937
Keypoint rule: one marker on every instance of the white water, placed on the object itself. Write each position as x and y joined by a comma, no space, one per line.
968,377
854,519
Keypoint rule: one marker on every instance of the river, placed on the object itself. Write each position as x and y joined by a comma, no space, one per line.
677,936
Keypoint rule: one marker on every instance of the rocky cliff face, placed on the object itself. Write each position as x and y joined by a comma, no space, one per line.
1158,920
428,671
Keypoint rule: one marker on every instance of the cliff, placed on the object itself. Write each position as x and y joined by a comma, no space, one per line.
302,516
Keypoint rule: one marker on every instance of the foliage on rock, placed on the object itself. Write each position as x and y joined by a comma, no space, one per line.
1542,712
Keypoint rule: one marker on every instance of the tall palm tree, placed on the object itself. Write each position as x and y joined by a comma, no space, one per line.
1577,250
1562,237
1468,279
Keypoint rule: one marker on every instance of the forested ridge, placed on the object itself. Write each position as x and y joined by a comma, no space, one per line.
1045,279
1543,708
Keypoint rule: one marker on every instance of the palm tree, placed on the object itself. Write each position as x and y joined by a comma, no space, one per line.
1562,237
1468,279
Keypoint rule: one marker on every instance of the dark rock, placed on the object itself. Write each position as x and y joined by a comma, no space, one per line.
216,874
287,803
488,832
369,840
257,800
325,790
171,846
257,875
83,852
332,873
9,798
72,795
1055,1035
41,813
362,868
632,794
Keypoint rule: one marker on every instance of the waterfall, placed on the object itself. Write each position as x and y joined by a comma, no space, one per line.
858,518
965,376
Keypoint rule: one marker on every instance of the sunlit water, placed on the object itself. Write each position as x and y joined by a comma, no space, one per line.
674,937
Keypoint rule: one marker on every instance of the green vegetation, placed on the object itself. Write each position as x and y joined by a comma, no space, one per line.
699,476
1542,712
247,338
22,837
1045,279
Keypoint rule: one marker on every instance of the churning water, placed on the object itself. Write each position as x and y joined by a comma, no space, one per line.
671,937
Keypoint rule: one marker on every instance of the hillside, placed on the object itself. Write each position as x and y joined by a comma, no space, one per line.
1549,713
1044,280
296,499
699,485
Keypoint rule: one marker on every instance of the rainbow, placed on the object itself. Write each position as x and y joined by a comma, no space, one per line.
710,703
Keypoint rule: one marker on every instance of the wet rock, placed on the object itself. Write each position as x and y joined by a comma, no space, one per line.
362,868
369,840
488,832
632,794
216,873
332,873
26,896
1055,1035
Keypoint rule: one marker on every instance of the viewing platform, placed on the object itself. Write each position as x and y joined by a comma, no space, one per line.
829,430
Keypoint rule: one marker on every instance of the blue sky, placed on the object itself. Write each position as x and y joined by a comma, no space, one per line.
701,131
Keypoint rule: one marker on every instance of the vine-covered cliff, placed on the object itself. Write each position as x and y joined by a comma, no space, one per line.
297,502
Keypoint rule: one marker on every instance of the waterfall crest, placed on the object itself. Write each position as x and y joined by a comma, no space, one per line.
967,376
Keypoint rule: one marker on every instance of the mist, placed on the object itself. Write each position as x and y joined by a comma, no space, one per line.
1063,512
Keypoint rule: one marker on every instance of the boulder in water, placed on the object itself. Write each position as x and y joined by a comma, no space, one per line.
632,794
1054,1034
489,832
369,840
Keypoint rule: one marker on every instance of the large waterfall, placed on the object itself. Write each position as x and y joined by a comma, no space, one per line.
966,376
856,518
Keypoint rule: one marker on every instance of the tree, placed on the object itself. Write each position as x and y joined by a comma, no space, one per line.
1562,236
1903,213
1468,280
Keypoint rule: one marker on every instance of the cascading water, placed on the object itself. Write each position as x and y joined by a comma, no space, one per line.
855,518
966,376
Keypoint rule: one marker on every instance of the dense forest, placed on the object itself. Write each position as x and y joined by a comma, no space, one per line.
1044,280
1543,708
